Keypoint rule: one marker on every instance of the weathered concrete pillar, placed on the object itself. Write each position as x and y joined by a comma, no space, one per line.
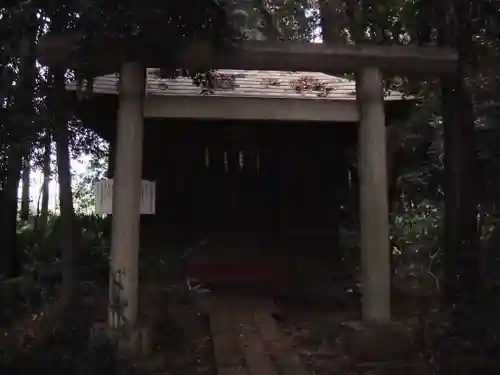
126,199
373,211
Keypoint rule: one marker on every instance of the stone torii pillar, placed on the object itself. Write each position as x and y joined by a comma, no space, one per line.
123,288
373,202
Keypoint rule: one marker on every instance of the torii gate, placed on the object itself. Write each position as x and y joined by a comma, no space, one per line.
368,62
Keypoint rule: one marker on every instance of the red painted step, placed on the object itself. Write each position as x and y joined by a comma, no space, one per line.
270,274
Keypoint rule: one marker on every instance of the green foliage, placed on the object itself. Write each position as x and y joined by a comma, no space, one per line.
417,227
288,20
41,259
95,169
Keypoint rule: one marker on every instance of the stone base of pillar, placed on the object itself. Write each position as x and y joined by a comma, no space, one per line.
135,343
377,342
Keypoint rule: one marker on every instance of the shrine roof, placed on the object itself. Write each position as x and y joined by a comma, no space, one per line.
247,83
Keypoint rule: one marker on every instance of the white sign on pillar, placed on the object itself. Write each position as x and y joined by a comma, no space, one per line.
104,197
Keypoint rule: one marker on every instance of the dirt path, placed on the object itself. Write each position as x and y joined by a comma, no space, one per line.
247,339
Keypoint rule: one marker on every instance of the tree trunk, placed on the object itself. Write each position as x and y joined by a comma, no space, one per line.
462,260
355,19
469,256
333,21
25,196
44,211
20,136
58,102
9,261
68,227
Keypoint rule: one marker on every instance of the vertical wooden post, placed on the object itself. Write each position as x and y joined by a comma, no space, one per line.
373,211
123,299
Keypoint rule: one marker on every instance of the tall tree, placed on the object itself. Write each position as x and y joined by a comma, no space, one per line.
25,195
20,131
333,21
69,244
59,117
462,256
44,210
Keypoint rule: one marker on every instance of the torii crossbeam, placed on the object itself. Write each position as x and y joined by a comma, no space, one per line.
105,56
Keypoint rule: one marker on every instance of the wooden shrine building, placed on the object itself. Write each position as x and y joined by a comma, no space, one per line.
262,154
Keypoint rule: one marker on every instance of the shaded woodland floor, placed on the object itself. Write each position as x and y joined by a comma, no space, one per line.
302,334
244,334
